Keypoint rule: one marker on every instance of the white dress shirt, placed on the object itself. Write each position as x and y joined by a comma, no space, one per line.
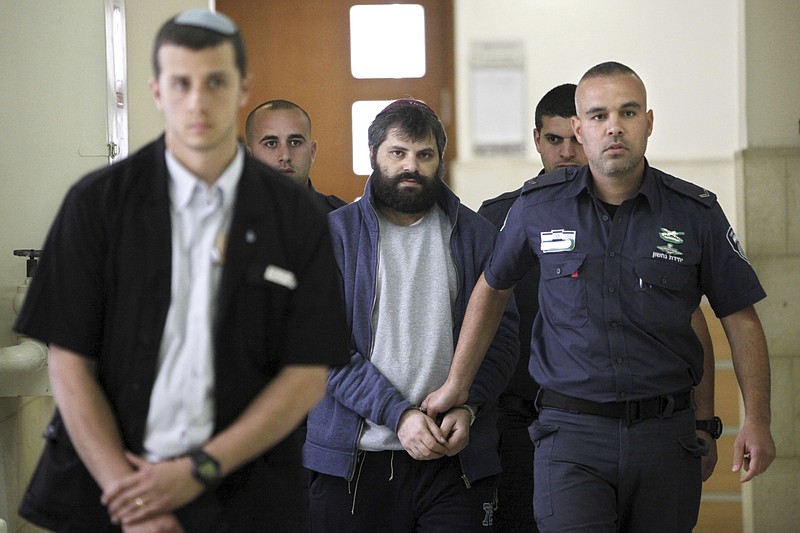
181,414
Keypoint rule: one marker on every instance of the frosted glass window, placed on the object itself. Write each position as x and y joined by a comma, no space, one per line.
387,41
363,114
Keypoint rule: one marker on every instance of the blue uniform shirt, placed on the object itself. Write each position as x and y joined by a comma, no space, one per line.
616,296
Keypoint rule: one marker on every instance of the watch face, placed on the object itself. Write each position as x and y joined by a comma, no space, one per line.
207,470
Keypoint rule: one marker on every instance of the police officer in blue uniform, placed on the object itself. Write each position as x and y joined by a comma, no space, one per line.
626,252
558,148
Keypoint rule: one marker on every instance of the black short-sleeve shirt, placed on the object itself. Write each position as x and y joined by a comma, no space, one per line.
102,287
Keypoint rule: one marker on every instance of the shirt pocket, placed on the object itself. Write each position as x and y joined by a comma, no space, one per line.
665,294
262,307
564,289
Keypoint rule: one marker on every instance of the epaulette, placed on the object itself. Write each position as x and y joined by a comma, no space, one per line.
510,195
686,188
562,175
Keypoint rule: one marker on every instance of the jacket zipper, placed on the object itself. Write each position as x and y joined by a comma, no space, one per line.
371,343
459,295
464,477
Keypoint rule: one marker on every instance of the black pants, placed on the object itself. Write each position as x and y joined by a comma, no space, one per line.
603,475
515,484
274,498
393,493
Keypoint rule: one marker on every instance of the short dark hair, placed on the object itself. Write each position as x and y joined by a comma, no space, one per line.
414,118
272,105
197,38
557,102
609,68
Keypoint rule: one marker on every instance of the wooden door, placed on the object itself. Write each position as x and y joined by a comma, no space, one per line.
300,51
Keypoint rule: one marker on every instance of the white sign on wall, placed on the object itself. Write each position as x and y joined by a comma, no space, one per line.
497,107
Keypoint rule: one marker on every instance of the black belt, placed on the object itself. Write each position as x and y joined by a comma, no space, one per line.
517,404
631,411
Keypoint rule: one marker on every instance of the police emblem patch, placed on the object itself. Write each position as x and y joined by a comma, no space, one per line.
669,250
671,236
733,240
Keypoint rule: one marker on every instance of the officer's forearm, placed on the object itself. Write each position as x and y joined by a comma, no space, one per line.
751,362
484,312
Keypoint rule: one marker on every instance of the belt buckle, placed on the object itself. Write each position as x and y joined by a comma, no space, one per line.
665,411
633,412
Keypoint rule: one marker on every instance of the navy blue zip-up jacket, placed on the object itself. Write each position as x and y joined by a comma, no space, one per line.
359,391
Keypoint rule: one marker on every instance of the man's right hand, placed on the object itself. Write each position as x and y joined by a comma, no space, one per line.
708,462
444,398
421,437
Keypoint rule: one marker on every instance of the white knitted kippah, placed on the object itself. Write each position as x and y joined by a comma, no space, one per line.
210,20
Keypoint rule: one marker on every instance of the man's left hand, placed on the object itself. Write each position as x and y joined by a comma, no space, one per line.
753,450
159,524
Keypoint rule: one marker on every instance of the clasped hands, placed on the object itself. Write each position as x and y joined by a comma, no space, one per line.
143,500
425,439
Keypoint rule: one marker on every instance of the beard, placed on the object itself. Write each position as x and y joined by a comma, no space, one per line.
388,192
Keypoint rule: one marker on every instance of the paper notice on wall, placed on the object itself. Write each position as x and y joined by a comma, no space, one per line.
497,86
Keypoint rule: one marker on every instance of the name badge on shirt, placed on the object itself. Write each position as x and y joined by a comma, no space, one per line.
281,276
557,240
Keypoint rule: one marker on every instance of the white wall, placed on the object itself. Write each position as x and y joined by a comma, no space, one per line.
53,88
685,51
772,36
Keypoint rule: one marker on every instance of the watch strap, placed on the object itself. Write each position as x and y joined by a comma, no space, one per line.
205,468
712,426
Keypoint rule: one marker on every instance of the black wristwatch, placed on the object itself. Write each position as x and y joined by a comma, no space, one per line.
713,426
205,468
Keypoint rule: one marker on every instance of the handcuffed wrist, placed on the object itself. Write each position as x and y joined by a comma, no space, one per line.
473,412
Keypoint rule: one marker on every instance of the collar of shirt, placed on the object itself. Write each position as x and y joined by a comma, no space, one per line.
648,189
182,183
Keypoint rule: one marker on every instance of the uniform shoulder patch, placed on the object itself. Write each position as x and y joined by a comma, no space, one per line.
733,240
687,188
